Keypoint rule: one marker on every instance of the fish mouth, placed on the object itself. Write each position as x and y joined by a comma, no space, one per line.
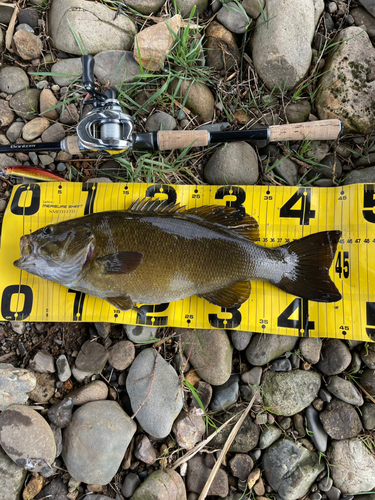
24,263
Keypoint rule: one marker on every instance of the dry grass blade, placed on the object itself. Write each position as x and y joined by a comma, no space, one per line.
10,30
225,449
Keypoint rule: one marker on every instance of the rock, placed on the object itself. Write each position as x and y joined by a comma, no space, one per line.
140,334
248,392
281,365
221,49
368,416
48,100
325,484
7,161
63,369
42,362
145,6
199,98
241,466
131,483
330,167
13,79
310,348
152,44
69,115
233,17
28,16
28,45
6,114
163,483
247,437
54,133
12,478
364,175
92,357
121,355
116,67
298,112
95,391
210,353
363,18
253,376
368,356
45,159
270,434
253,7
367,381
345,390
340,420
98,28
14,131
60,414
291,469
236,163
240,339
27,438
15,384
33,487
264,348
199,468
162,401
160,121
288,393
25,103
287,169
34,128
345,89
319,435
71,68
185,6
144,450
335,357
44,389
204,391
225,395
281,47
352,466
99,425
25,27
55,490
188,429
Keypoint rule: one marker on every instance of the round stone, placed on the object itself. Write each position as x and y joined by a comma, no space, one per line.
121,355
334,357
13,79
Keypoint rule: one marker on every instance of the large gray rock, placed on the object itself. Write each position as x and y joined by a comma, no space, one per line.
102,426
362,175
67,70
116,67
281,47
346,88
98,27
264,348
25,103
352,466
210,353
154,389
287,393
345,390
369,5
233,17
335,357
12,478
13,79
15,384
164,483
27,438
145,6
291,469
236,163
340,420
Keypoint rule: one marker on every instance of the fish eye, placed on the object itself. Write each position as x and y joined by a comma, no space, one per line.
47,231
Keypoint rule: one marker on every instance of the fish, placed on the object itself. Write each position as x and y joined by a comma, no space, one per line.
156,252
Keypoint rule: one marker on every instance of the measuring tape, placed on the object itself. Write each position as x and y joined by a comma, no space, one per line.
283,214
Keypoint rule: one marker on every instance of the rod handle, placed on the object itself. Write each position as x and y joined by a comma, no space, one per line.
175,139
312,131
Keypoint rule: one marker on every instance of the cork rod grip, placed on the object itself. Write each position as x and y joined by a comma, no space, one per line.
72,145
312,131
173,139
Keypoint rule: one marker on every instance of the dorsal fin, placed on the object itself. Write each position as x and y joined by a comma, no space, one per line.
155,205
229,217
230,296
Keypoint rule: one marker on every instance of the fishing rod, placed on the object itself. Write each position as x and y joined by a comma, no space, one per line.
108,130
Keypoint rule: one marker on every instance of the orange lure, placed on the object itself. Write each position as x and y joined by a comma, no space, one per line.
33,173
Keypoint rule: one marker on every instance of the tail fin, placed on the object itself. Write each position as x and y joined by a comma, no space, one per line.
310,279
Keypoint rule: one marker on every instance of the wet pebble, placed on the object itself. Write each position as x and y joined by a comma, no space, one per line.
226,394
241,465
344,390
15,384
368,416
335,357
281,365
340,420
319,435
63,369
92,357
60,414
121,354
269,435
130,484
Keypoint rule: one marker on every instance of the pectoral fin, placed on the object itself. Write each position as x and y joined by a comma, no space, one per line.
231,296
123,303
120,263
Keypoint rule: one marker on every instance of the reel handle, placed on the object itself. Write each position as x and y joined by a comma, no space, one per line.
88,63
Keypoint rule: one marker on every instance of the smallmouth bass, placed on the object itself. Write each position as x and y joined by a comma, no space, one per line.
155,252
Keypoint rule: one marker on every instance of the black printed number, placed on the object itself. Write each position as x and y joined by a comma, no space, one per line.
232,322
302,323
304,213
6,301
368,203
91,190
78,304
143,317
18,208
342,264
370,320
236,191
162,189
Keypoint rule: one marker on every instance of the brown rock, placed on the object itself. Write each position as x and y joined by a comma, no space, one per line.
152,44
340,420
192,377
32,488
259,488
28,45
199,468
34,128
204,391
95,391
44,389
54,133
199,98
253,478
241,466
48,100
188,429
70,115
222,52
6,114
144,450
121,355
164,484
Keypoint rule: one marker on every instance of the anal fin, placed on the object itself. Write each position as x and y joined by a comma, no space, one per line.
231,296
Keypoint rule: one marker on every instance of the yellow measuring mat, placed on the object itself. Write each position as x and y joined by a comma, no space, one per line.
283,213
